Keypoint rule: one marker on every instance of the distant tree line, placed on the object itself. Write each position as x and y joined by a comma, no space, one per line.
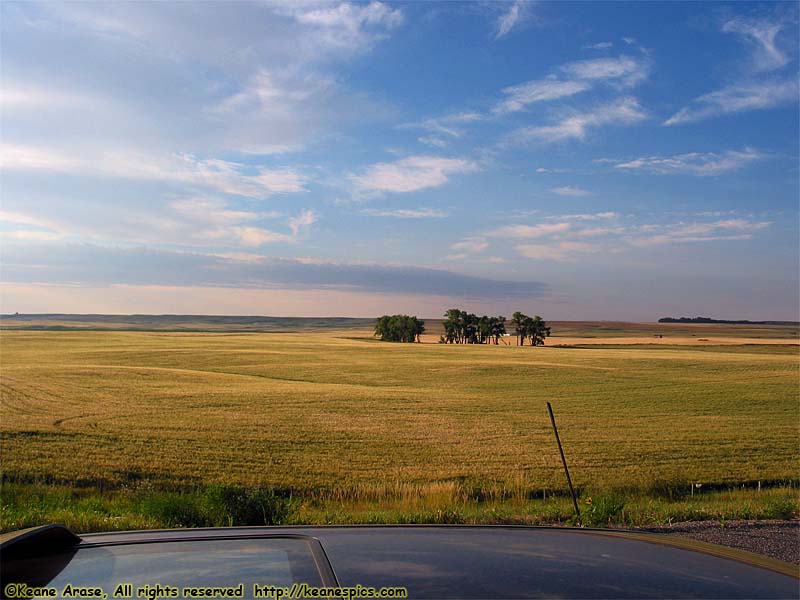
399,328
461,327
724,321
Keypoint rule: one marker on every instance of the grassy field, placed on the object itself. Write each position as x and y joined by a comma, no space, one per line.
358,430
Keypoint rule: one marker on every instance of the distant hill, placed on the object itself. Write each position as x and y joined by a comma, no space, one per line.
179,322
723,321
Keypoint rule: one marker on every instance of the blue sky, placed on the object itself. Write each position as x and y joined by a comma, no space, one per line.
576,160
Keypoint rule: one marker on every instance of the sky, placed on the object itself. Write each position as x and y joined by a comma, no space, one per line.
614,161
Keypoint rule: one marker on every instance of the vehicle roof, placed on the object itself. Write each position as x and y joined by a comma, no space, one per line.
512,561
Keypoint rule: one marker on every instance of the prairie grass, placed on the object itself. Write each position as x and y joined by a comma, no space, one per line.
347,425
142,507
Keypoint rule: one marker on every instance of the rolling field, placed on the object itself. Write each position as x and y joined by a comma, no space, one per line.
349,419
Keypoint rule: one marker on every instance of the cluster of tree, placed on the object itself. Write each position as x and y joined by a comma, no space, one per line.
529,328
399,328
461,327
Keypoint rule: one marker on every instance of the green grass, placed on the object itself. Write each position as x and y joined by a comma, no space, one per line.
375,430
142,507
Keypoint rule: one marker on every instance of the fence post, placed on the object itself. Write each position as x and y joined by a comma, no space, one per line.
564,462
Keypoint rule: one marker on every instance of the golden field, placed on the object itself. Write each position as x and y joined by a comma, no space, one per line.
341,412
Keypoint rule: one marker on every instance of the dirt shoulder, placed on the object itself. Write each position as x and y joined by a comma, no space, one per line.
777,539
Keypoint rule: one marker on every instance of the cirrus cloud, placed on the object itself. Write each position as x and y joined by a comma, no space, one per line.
411,174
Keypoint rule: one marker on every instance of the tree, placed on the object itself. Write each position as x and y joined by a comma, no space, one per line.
399,328
498,328
453,325
519,320
537,330
484,329
461,327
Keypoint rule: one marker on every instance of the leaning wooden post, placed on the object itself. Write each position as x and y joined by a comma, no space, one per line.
564,462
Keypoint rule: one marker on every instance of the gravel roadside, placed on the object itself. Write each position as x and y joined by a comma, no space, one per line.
778,539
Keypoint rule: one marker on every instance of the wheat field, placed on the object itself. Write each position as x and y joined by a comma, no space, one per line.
344,413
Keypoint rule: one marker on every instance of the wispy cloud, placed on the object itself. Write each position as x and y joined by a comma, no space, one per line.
569,237
724,230
516,14
224,176
520,96
471,245
555,251
599,46
345,25
570,190
761,34
751,91
411,174
450,125
625,111
530,231
433,141
586,216
406,213
574,78
302,221
707,164
624,69
209,221
738,98
189,222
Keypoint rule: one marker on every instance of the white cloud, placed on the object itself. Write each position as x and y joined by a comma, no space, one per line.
407,213
737,98
580,77
228,177
210,212
471,245
203,220
302,221
761,35
570,190
625,69
625,111
723,230
450,125
749,93
256,236
23,219
345,25
411,174
20,96
555,251
599,46
264,92
587,216
530,231
576,235
32,235
708,164
520,96
431,140
516,14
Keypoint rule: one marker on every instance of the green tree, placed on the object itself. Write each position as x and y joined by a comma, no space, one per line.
497,326
519,322
537,330
399,328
